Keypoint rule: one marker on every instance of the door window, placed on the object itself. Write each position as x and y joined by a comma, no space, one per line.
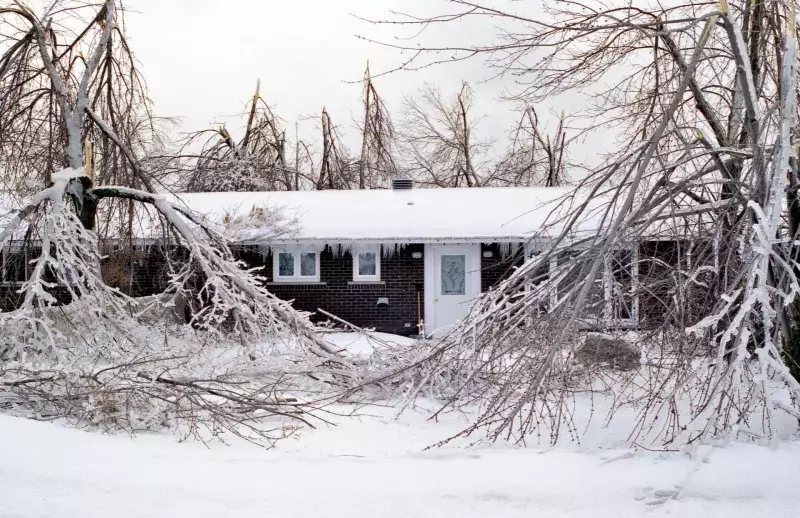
454,275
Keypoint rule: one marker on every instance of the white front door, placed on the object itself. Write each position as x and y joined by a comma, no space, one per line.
453,281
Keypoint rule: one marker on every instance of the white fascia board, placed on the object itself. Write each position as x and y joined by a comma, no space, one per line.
378,241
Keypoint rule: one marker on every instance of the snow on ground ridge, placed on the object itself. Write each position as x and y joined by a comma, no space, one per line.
376,465
50,470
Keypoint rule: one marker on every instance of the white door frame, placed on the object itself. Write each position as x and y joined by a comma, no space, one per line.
473,267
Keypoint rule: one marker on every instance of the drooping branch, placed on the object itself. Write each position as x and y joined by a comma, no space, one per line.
376,166
255,163
678,228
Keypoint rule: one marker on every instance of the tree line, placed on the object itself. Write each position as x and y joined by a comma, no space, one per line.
433,143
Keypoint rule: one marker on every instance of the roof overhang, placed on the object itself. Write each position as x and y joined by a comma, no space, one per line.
391,240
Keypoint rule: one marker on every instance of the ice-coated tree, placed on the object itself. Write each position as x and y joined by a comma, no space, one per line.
376,166
75,347
703,97
436,139
256,162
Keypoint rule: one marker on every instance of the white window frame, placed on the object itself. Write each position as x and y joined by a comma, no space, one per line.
297,277
608,318
4,254
367,249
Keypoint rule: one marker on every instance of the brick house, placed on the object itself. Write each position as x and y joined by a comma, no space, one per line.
402,260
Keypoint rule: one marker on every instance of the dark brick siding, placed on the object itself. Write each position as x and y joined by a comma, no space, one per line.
149,274
402,282
149,269
16,269
496,268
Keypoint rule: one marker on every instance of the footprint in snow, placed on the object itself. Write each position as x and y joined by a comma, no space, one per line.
657,497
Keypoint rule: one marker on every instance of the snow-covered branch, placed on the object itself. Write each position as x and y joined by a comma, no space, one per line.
678,234
225,369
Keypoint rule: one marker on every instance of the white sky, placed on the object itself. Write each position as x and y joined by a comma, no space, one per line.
202,58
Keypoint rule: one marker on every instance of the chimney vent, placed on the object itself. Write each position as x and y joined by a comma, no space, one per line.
402,184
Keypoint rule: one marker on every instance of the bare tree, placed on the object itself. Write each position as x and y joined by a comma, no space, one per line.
75,347
256,162
376,166
437,140
337,169
534,158
705,95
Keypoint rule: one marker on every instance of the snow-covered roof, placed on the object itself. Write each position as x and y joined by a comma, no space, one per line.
501,214
490,214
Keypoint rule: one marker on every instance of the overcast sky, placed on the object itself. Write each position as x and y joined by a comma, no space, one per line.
202,58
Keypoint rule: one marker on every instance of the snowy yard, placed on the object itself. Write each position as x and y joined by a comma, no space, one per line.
375,467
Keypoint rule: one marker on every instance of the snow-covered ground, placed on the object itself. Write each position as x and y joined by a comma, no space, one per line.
375,466
359,344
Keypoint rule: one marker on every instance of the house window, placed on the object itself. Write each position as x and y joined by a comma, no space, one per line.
295,265
367,264
13,267
612,298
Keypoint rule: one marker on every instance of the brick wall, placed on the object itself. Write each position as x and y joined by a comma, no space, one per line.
496,268
16,269
402,280
141,275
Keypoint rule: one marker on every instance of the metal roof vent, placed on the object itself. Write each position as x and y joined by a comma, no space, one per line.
403,183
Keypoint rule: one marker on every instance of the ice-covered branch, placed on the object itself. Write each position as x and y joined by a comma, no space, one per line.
677,243
74,340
